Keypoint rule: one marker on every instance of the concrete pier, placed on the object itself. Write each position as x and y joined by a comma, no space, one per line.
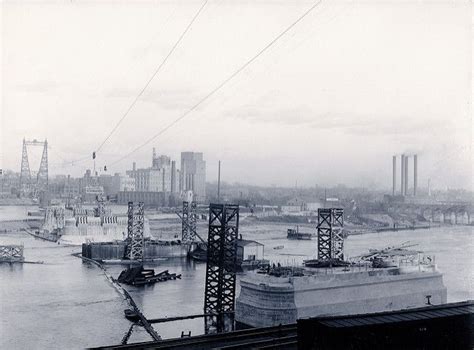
268,300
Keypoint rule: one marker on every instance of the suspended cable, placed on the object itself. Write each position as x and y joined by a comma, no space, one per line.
223,83
153,75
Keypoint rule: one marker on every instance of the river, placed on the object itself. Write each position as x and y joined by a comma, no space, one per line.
66,303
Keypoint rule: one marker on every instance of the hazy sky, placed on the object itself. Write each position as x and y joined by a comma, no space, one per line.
352,84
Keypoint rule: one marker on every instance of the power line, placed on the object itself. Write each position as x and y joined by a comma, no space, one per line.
153,75
223,83
82,159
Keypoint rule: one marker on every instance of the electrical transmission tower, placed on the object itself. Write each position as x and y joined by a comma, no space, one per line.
136,225
219,297
330,234
27,185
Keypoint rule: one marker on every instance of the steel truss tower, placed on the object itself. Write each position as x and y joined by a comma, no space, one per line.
219,296
136,224
185,222
192,221
27,186
330,234
25,174
188,222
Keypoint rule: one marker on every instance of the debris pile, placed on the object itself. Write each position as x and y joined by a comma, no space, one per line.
139,276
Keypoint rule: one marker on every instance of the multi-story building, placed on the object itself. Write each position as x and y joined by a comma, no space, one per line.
118,182
193,174
125,183
147,180
158,178
164,165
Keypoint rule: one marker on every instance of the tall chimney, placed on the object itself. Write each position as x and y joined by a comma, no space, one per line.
394,175
406,175
134,166
415,174
402,175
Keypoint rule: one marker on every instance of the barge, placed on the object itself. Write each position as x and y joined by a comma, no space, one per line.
292,233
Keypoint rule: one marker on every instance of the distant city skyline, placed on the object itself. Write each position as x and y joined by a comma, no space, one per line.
330,103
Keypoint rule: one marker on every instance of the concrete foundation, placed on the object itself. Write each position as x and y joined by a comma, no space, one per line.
153,250
267,300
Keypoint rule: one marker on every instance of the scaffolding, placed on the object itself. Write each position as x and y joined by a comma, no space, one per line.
330,234
219,297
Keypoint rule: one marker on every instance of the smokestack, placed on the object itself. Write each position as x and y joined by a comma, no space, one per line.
134,166
394,175
406,175
415,174
402,175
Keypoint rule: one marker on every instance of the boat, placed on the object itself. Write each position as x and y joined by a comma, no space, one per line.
379,281
278,247
296,234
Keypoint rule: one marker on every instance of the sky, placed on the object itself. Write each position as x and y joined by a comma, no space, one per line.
350,85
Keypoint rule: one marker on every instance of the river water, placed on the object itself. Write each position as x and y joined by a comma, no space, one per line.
66,303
